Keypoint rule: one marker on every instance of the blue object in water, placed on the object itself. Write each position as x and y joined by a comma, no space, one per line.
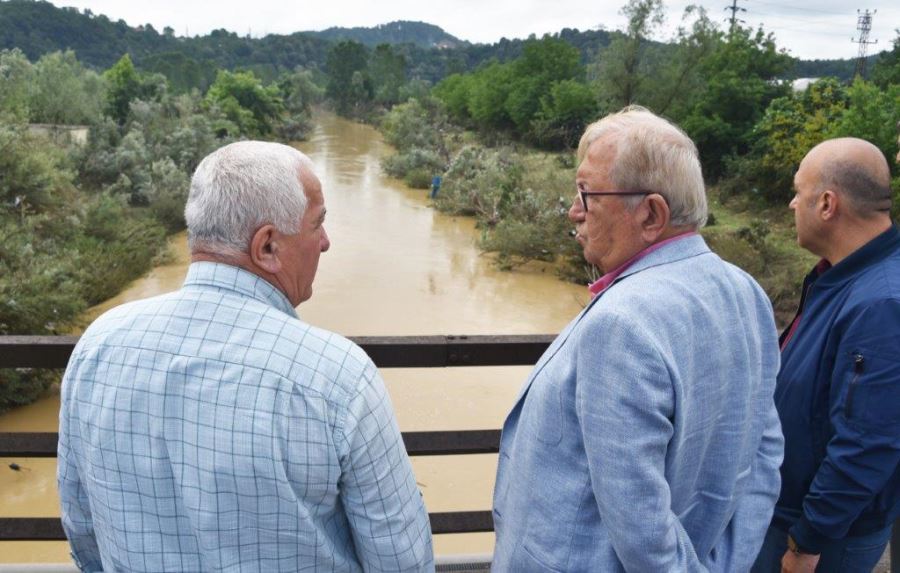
435,185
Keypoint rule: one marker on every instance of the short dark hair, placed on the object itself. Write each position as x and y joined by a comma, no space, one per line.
866,192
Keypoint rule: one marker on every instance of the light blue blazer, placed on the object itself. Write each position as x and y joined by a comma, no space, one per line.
646,437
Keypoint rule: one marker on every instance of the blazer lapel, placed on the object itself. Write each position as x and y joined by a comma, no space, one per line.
676,251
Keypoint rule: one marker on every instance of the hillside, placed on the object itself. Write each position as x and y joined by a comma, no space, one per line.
37,27
401,32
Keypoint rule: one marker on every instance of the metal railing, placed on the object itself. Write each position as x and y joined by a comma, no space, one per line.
385,351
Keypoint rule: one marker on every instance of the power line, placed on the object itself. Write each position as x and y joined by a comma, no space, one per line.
799,19
803,30
798,8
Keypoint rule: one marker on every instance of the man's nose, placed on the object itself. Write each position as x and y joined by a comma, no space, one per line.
576,212
326,242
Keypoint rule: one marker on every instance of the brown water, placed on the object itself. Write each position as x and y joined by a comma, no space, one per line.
395,267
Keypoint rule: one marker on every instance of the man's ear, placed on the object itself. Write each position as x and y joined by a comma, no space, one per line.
656,217
264,249
828,204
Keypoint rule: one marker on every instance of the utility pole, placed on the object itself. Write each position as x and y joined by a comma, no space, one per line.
734,19
864,25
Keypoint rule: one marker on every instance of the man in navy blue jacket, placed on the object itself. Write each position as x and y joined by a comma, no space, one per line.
838,392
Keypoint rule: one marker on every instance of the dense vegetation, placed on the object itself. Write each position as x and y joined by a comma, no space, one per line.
78,222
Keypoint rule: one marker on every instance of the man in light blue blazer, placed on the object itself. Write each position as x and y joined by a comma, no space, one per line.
646,438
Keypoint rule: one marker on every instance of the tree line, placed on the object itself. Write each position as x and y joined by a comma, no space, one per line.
37,27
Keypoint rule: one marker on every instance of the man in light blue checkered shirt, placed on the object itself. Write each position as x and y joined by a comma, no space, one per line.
210,429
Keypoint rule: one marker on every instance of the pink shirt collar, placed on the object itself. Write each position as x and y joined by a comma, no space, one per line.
603,282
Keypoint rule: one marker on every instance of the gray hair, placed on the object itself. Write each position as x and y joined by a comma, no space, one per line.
868,192
655,155
240,187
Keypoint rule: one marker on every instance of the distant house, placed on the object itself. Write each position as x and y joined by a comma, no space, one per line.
63,134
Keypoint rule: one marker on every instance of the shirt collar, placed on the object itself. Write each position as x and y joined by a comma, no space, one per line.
873,251
603,282
236,279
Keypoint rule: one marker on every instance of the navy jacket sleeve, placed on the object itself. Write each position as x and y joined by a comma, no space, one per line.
864,410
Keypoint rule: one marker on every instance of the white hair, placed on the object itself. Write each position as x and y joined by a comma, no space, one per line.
240,187
653,154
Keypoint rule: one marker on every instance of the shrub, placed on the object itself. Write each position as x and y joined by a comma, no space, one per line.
419,178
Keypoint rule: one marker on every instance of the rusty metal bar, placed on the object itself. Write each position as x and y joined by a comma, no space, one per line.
36,351
50,528
386,351
443,443
28,444
461,522
31,529
453,442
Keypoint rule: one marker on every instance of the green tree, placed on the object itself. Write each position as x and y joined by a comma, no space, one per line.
64,92
623,65
387,68
886,72
664,77
789,128
543,63
740,80
16,75
872,114
349,85
252,107
489,91
453,91
125,84
183,72
565,111
299,90
676,79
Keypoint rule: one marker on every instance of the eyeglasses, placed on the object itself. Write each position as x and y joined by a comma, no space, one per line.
585,194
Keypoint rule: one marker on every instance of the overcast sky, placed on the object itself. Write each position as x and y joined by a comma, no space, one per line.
820,29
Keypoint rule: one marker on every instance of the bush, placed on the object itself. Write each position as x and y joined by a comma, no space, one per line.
419,178
167,193
475,182
295,127
22,386
424,160
533,221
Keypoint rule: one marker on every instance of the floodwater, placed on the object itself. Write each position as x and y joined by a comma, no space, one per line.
395,267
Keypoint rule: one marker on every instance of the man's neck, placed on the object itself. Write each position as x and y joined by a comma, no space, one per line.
853,237
673,232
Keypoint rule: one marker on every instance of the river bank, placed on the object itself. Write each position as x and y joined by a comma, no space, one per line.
518,197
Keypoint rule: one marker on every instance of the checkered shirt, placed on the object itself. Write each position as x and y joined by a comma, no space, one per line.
210,429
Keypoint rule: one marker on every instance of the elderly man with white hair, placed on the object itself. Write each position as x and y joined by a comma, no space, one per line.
210,429
646,438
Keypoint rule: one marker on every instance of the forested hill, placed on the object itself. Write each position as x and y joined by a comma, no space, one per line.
37,27
401,32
